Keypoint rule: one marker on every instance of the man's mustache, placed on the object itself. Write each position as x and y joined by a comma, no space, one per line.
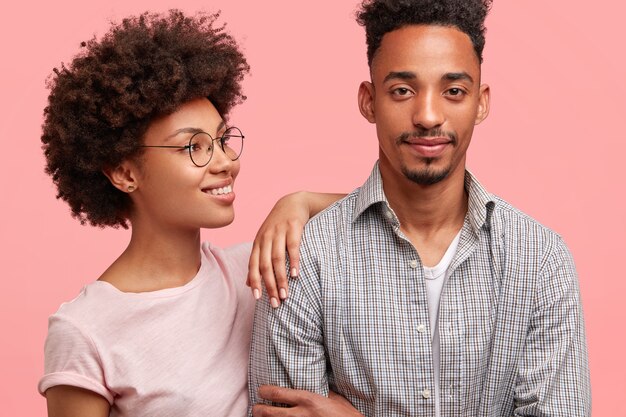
427,133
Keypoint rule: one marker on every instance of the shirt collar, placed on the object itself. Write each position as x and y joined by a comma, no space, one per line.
480,203
370,193
479,207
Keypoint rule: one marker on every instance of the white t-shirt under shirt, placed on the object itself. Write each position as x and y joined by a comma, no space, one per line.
175,352
435,278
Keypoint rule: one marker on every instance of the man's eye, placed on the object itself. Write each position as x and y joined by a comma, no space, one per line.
401,91
455,92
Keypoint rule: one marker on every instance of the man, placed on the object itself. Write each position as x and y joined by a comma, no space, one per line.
420,293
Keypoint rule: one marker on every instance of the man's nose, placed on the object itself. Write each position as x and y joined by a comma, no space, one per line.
428,112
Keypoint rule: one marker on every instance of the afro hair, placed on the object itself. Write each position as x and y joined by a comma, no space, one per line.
101,104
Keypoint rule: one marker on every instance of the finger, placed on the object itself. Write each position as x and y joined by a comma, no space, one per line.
254,277
282,395
264,410
340,398
294,238
278,263
266,269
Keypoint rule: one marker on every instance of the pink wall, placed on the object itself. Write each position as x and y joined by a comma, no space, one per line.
553,145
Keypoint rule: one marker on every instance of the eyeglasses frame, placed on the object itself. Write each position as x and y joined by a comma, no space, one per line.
188,147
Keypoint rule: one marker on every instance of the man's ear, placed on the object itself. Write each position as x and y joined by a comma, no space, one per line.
483,104
366,101
123,177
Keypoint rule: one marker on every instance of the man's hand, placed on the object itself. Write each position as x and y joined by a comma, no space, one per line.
302,404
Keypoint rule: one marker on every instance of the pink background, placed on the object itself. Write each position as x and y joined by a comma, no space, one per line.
553,146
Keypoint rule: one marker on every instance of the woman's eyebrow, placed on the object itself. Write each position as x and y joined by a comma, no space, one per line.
195,130
221,126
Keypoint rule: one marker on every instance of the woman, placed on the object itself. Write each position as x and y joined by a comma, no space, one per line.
135,134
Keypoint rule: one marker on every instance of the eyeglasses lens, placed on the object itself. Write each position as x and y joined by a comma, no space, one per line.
201,146
233,143
200,149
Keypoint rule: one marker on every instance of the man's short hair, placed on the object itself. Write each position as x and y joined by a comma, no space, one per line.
382,16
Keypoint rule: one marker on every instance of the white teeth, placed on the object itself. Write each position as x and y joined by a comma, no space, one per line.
223,190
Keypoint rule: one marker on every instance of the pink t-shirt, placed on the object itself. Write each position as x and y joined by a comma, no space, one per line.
175,352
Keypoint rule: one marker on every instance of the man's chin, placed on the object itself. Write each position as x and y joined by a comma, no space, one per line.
426,176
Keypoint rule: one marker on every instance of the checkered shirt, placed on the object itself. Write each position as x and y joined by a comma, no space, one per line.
511,328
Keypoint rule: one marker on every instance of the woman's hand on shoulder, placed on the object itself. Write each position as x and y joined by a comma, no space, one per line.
68,401
280,234
302,404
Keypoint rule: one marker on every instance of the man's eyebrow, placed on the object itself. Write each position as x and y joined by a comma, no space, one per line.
456,76
400,75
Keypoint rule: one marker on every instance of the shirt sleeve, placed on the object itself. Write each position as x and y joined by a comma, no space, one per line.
553,373
238,257
72,359
287,343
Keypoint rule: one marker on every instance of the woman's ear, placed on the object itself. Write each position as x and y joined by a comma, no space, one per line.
123,177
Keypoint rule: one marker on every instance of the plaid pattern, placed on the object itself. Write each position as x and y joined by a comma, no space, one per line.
510,321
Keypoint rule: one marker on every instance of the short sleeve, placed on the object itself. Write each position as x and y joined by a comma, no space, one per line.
238,257
72,359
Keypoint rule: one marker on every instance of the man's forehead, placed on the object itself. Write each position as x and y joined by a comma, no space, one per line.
416,46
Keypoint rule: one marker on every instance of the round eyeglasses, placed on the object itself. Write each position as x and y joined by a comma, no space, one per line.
201,147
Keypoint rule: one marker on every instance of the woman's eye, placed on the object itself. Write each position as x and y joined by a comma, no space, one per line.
194,147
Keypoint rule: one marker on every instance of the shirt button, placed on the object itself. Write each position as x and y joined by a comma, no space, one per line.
426,393
388,214
421,328
413,264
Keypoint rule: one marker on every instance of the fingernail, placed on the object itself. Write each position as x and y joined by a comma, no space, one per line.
283,293
274,302
257,293
294,272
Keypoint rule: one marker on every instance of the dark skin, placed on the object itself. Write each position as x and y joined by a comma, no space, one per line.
267,259
426,80
302,404
163,250
66,401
